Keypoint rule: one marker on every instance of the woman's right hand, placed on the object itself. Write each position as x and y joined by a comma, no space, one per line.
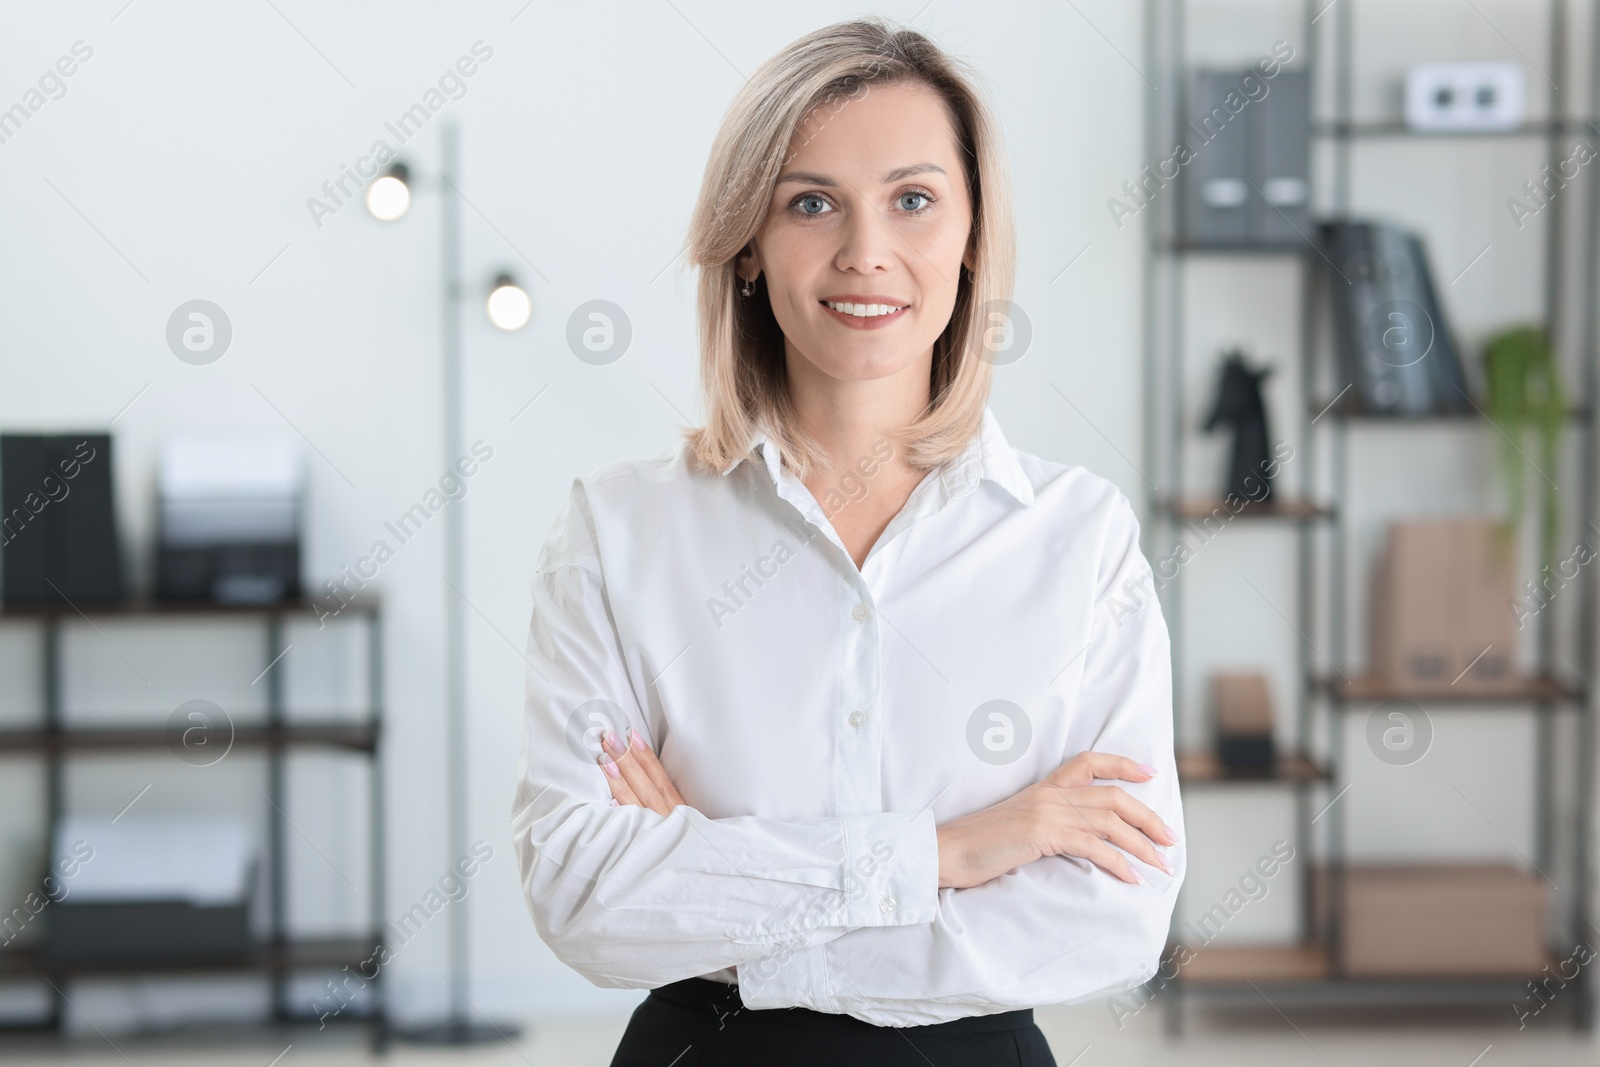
1063,815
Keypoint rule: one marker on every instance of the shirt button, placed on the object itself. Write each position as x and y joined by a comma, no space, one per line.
859,613
857,718
886,905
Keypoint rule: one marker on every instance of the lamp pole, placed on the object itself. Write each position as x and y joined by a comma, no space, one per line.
458,1028
454,561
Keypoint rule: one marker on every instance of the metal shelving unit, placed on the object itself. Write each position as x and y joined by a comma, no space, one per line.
280,956
1307,968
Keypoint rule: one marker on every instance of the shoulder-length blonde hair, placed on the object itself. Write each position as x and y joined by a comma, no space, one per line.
742,372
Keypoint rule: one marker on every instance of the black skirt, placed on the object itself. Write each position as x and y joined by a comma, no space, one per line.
702,1023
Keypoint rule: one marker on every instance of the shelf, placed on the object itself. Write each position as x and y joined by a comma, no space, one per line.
357,736
1367,689
332,953
1396,128
1346,412
1308,963
176,608
1201,767
1237,964
1297,249
1292,509
1305,967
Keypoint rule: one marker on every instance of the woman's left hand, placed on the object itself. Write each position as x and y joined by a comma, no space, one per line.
635,775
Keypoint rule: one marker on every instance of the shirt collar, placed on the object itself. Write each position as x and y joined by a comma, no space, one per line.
769,455
987,455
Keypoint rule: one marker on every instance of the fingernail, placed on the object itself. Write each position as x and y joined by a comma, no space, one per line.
1162,861
1176,840
614,802
1146,768
607,764
609,740
633,739
1137,877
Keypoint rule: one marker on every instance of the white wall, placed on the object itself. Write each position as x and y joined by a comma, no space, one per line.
178,165
187,147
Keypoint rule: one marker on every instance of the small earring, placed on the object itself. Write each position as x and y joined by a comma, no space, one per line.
749,287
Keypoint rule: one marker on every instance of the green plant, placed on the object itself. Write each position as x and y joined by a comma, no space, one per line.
1525,392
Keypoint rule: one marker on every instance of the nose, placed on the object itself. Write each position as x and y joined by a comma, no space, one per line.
866,242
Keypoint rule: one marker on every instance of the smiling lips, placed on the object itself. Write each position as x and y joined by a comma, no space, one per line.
864,312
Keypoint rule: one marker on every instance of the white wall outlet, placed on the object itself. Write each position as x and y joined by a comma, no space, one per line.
1466,96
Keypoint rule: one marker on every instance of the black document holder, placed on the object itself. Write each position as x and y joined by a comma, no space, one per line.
58,541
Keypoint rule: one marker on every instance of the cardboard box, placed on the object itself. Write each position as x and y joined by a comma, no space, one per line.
1241,709
1450,920
1440,608
1484,581
1241,702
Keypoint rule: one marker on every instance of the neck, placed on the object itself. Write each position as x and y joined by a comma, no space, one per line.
851,419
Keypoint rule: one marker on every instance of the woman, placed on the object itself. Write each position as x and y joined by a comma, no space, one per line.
856,673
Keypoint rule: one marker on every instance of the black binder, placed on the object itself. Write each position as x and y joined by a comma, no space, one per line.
58,540
1389,332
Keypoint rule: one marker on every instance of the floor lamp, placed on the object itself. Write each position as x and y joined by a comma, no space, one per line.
388,197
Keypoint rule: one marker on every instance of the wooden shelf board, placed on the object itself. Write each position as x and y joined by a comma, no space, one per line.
1200,766
1347,410
1223,964
1397,128
354,735
331,953
1426,976
1299,248
1309,962
1292,508
176,608
1368,688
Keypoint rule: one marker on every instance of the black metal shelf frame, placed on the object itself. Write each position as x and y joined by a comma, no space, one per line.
280,956
1328,32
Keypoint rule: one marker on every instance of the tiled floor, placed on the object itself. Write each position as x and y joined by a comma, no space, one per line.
1082,1036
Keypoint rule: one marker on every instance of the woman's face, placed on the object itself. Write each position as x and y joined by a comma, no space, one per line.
870,207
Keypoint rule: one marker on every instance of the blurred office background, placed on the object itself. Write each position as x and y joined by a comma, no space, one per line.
244,382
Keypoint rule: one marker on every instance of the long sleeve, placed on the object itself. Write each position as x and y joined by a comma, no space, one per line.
1055,931
633,899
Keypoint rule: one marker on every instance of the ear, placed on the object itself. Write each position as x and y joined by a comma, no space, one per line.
969,259
748,261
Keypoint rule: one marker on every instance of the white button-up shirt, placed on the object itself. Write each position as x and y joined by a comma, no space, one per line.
821,720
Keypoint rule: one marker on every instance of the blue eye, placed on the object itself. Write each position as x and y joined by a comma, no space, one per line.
798,204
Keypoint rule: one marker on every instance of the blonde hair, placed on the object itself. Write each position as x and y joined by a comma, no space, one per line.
742,375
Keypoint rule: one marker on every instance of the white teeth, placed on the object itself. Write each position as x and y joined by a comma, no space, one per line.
864,311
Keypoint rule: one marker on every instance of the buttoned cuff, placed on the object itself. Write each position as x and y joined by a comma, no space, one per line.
891,869
891,879
792,978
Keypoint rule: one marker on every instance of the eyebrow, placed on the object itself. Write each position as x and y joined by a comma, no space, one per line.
895,175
